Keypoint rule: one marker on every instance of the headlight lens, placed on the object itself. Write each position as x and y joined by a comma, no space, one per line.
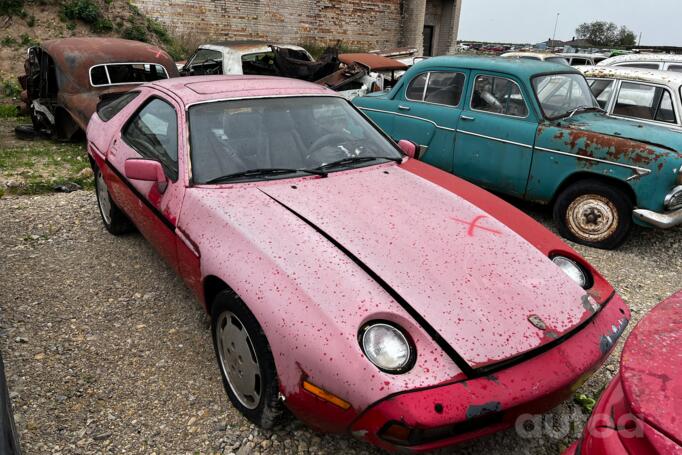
387,347
573,270
673,200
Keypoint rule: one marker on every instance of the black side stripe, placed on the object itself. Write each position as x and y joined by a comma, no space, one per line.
139,195
428,328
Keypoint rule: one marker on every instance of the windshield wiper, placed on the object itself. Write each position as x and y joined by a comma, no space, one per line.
264,172
585,108
356,159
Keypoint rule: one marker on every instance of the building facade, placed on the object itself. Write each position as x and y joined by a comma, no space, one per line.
430,25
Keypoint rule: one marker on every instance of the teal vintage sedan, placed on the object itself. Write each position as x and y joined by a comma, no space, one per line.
534,130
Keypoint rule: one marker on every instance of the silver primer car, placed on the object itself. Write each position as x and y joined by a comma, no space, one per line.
666,62
650,96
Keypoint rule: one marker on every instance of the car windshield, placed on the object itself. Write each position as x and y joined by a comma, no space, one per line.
562,95
267,138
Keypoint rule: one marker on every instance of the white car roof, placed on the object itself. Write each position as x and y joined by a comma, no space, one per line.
247,47
641,58
668,78
538,55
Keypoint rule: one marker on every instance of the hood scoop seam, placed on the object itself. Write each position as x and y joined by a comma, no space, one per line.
418,318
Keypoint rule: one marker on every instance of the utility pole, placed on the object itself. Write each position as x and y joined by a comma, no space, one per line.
556,23
639,41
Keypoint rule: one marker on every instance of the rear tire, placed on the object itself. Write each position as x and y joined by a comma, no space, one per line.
594,213
245,360
113,218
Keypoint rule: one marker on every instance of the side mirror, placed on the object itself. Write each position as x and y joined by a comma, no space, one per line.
409,148
147,171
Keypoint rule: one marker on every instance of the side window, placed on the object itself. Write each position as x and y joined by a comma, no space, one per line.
206,61
602,90
415,90
153,133
645,102
579,61
498,95
441,88
646,66
675,68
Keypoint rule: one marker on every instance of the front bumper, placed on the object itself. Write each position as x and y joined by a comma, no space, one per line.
441,416
661,220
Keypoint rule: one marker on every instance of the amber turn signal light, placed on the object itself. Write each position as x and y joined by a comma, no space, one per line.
326,396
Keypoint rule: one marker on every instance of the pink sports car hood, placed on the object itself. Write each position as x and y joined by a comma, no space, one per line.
480,290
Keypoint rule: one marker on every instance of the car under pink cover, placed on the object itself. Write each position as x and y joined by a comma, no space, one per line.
640,410
496,327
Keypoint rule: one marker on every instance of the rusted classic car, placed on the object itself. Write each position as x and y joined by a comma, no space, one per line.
349,74
666,62
534,130
65,79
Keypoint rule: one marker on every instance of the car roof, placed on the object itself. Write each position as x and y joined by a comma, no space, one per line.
522,68
669,78
643,58
247,46
199,89
538,55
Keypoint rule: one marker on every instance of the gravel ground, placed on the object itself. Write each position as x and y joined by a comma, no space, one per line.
106,351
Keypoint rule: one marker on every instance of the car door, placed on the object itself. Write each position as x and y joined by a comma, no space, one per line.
496,134
427,112
152,132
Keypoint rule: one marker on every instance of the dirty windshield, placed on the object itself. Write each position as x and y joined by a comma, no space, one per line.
561,95
260,139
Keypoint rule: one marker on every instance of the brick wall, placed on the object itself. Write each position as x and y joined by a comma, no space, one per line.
358,23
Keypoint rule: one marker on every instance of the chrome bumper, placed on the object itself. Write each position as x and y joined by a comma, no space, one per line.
661,220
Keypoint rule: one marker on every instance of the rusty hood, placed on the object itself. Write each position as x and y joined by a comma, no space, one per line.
651,368
485,290
618,131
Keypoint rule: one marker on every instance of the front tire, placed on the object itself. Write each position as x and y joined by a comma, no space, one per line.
245,360
113,218
594,213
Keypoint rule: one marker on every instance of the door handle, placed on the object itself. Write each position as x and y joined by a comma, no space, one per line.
467,118
403,108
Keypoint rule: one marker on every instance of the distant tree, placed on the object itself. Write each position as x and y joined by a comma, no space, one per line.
626,37
606,34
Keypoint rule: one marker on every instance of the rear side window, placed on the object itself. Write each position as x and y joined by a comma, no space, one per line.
579,61
107,109
675,68
437,87
126,73
153,133
498,95
646,66
602,90
645,102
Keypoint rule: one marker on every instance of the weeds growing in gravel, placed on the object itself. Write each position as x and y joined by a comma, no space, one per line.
38,168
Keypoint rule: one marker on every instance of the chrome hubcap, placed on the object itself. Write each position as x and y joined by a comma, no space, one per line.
592,217
238,360
103,198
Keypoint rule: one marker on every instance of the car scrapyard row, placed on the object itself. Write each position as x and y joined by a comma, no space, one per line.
349,276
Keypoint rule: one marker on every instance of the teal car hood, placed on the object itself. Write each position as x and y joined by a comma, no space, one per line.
596,122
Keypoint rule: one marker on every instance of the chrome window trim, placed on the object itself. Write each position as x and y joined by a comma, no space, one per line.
408,116
496,139
106,69
639,170
523,98
616,85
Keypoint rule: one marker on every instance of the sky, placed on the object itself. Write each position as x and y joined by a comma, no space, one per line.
532,21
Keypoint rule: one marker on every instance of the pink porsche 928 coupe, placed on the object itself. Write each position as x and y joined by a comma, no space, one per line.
366,291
